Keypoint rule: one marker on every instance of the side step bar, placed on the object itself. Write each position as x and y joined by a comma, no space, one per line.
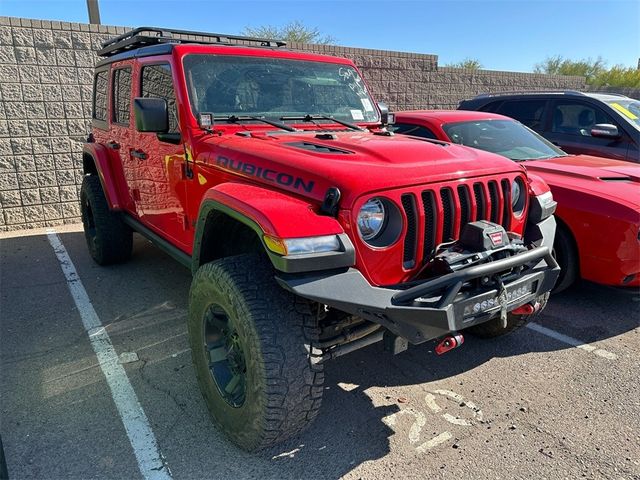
156,239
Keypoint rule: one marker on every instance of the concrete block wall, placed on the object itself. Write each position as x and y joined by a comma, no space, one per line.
46,73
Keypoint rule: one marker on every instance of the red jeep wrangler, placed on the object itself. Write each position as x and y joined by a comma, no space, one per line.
310,229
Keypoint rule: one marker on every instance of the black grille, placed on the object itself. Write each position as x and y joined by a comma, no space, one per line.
444,207
430,227
465,207
481,204
506,206
493,194
448,214
409,205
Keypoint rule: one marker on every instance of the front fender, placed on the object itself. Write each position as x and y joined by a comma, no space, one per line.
537,185
277,214
100,156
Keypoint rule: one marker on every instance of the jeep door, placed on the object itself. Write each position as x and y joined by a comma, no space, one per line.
101,129
121,130
160,162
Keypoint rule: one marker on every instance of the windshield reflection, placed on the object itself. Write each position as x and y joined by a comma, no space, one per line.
277,88
504,137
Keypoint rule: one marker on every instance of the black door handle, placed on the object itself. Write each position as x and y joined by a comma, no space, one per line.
139,154
114,145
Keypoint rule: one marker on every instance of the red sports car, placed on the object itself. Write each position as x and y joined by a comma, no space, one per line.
598,236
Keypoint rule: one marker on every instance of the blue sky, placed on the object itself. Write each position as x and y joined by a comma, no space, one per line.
503,35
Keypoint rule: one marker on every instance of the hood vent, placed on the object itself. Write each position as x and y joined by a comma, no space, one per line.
615,179
314,147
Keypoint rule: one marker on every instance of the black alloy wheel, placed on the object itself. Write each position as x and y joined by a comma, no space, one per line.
226,356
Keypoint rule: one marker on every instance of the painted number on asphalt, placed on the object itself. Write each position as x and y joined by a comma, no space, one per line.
420,418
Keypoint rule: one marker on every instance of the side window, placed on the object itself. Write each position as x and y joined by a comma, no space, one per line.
529,112
121,95
415,130
490,107
157,82
100,82
575,118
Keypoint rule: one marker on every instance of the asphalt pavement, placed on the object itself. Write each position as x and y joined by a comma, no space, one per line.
560,399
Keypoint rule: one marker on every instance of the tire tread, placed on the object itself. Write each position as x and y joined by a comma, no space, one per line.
285,328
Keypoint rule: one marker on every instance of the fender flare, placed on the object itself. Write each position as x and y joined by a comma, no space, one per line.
273,213
100,156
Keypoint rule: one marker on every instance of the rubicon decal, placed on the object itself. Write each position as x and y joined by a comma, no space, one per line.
267,174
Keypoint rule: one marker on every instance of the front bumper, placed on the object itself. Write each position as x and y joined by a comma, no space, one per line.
434,307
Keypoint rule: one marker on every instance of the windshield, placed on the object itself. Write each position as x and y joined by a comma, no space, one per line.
628,109
275,88
504,137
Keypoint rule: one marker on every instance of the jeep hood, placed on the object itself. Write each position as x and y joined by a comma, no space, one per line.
604,177
355,162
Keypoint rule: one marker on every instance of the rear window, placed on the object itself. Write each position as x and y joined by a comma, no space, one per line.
528,112
122,95
100,83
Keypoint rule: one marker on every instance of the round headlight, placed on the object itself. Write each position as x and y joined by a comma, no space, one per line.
515,193
371,219
518,196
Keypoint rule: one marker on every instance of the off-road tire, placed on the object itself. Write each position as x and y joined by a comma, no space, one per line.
276,331
493,328
109,239
564,251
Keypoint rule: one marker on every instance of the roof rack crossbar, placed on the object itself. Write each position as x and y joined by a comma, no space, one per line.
143,36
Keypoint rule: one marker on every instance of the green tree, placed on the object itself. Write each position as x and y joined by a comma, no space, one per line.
559,65
467,63
294,31
618,76
595,71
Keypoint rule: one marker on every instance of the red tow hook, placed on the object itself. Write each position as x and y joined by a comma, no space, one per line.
526,309
449,343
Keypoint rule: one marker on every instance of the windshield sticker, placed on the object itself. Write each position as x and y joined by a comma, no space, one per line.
624,111
366,103
357,115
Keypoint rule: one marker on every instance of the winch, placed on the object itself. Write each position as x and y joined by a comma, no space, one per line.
479,242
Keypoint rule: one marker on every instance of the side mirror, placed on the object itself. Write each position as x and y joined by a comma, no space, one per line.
152,114
384,113
605,130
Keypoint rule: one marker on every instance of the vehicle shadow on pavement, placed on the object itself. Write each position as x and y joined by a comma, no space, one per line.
361,389
352,417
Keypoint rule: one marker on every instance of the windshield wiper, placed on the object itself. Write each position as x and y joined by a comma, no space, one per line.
244,118
311,118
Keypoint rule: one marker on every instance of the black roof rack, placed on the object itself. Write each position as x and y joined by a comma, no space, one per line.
144,36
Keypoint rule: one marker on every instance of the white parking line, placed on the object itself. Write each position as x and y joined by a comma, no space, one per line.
574,342
136,424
